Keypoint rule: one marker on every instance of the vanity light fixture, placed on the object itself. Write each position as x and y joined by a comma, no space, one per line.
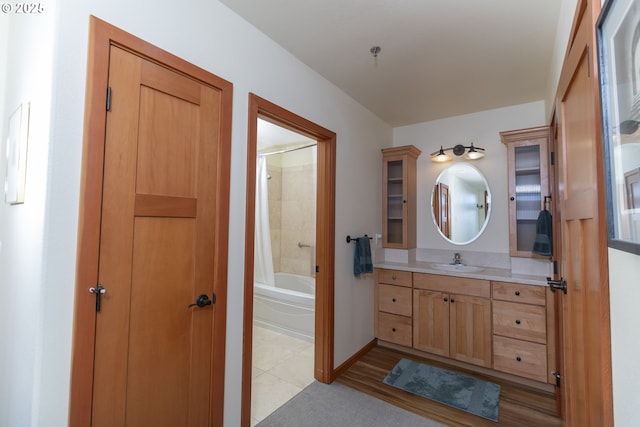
474,153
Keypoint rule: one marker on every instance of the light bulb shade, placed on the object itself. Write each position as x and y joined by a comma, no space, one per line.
440,156
474,153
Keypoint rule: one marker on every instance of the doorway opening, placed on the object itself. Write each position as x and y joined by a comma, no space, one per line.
284,267
289,258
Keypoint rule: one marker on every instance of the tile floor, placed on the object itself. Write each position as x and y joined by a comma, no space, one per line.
282,366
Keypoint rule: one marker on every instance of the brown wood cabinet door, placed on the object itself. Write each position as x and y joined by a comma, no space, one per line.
470,323
586,346
431,321
153,351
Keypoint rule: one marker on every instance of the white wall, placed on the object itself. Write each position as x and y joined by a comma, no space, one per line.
26,61
565,19
624,293
483,130
211,36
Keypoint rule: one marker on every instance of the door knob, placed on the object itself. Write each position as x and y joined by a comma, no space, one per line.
202,301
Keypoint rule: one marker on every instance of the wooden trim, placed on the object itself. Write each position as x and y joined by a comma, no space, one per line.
101,37
325,241
353,359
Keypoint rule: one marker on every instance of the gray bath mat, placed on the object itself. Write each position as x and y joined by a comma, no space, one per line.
450,388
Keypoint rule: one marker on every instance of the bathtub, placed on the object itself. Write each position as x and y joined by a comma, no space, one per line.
288,307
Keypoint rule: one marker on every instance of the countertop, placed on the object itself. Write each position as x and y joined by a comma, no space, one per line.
487,273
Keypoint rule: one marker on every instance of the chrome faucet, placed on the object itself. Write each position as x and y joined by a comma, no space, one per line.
456,259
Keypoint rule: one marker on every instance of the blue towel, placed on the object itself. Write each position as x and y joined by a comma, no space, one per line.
543,245
362,262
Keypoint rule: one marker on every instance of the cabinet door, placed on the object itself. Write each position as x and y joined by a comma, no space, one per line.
470,322
527,162
399,197
431,321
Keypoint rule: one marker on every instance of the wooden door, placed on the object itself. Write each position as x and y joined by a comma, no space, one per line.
443,195
153,232
470,323
586,346
431,321
153,351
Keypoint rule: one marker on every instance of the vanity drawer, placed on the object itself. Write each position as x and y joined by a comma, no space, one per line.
452,284
395,299
522,358
528,294
521,321
394,328
395,277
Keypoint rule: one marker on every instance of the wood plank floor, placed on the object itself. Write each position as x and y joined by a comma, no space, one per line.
519,405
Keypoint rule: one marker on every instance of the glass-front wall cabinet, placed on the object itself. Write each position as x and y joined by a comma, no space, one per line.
399,197
527,163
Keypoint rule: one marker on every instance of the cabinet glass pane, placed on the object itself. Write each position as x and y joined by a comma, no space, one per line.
394,208
394,171
528,158
394,201
394,230
528,194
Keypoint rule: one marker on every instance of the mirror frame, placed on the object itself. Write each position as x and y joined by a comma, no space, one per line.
489,209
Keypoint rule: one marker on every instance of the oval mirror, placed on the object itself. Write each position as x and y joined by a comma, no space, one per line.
461,203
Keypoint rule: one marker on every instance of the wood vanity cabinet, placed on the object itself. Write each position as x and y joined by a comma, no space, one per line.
394,306
399,197
452,317
528,176
523,331
508,327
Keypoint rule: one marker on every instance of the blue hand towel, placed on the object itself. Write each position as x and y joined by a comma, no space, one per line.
362,262
543,245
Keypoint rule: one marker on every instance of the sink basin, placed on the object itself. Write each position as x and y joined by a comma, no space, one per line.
457,267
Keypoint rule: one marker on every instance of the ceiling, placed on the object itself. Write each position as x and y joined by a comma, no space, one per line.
438,58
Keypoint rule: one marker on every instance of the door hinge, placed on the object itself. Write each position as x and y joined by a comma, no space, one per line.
557,285
557,375
108,98
98,291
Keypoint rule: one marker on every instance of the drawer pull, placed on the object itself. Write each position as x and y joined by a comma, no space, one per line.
517,322
394,277
519,359
517,293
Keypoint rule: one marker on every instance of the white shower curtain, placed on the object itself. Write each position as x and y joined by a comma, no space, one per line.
263,258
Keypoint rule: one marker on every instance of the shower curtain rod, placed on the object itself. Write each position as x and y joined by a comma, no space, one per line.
287,150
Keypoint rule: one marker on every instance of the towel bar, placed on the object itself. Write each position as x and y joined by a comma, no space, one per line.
350,239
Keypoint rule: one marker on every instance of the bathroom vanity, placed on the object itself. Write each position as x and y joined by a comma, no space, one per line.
489,318
496,314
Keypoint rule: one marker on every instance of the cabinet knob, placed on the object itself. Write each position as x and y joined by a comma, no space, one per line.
393,299
446,299
517,293
512,198
519,359
517,322
394,277
452,300
393,329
